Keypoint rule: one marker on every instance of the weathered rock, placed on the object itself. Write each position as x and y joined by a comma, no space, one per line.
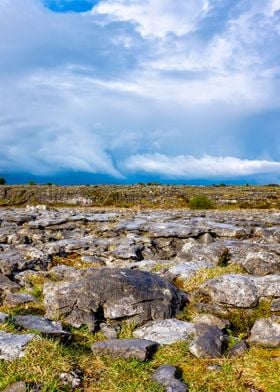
165,331
12,262
139,349
188,269
19,386
214,253
72,379
266,332
238,349
110,294
47,327
275,305
110,331
166,376
262,263
3,317
7,286
208,343
210,319
12,345
232,289
18,299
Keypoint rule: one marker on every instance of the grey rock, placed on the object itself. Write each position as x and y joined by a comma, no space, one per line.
275,305
165,331
267,286
47,327
232,289
93,261
19,386
262,263
215,368
110,331
12,262
210,319
12,345
139,349
214,253
238,349
18,299
71,379
266,332
166,376
7,286
187,270
208,343
3,317
206,239
110,294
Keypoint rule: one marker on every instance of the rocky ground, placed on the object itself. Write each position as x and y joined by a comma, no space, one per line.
159,300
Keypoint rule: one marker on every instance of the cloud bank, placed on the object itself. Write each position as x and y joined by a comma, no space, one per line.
189,167
113,86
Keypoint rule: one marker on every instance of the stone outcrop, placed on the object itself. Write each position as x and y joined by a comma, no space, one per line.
112,294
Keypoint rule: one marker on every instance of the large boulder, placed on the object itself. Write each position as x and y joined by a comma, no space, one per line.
112,294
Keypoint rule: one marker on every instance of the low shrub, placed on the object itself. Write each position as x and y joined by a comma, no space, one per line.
200,202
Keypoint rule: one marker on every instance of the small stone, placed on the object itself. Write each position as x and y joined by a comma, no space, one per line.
18,386
72,379
12,345
166,375
110,331
208,343
216,368
139,349
210,319
238,349
165,331
3,317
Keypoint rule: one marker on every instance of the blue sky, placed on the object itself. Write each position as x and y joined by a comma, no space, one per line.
129,90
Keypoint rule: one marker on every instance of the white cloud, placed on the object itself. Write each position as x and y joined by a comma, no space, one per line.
156,18
189,167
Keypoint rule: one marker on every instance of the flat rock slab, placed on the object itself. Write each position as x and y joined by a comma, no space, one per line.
266,332
110,293
41,324
166,376
15,299
139,349
12,345
165,331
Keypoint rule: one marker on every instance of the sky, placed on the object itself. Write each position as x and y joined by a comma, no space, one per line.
124,91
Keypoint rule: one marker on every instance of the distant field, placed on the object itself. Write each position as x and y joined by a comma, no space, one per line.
146,196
